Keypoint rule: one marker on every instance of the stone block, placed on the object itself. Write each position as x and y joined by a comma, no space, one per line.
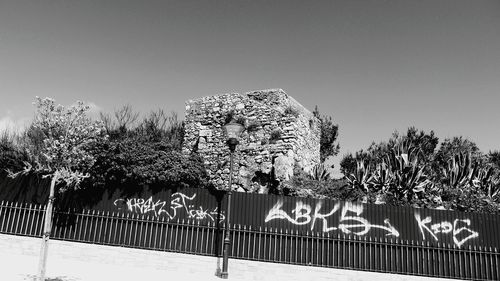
283,167
205,133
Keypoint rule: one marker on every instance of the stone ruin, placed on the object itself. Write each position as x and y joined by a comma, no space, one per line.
280,135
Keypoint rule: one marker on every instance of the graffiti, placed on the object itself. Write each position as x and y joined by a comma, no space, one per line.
350,220
180,202
363,225
333,217
142,206
458,229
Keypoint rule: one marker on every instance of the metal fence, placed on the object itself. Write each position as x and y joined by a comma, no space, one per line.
111,228
256,243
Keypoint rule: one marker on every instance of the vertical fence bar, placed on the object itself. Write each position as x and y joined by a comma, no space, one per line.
254,245
9,215
2,215
66,225
186,236
152,222
31,220
23,216
112,229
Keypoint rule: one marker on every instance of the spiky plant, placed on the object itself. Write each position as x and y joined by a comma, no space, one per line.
382,178
320,173
409,177
361,177
460,171
488,182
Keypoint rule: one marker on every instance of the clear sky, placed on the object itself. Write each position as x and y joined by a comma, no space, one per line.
374,66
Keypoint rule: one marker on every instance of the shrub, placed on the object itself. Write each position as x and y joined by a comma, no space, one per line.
12,158
329,134
467,200
131,163
303,185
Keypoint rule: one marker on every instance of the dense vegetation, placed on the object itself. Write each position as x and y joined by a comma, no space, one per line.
413,169
131,154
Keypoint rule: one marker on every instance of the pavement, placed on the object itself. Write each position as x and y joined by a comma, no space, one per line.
19,261
70,261
22,267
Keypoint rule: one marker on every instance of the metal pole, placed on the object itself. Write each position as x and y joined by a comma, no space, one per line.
227,240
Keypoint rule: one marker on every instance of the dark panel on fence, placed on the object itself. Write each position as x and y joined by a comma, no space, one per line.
24,189
188,203
304,215
200,205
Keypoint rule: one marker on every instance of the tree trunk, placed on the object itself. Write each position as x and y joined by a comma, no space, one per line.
46,230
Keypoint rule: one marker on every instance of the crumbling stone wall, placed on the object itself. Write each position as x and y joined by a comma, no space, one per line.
280,134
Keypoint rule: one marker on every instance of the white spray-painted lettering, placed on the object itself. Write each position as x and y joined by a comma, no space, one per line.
459,229
363,224
142,206
179,202
302,216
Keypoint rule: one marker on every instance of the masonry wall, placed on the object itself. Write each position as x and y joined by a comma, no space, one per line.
280,134
80,261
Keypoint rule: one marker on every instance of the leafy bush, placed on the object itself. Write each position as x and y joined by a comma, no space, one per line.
12,154
494,159
448,150
329,134
467,200
303,185
132,163
348,164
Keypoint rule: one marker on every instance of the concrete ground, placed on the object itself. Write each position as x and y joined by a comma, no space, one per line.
24,267
70,261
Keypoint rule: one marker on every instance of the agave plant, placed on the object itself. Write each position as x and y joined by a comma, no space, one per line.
408,173
319,172
382,178
460,171
488,182
361,177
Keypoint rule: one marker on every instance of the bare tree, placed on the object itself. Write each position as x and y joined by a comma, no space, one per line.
159,125
125,116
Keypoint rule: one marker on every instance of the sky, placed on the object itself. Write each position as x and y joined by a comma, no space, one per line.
374,66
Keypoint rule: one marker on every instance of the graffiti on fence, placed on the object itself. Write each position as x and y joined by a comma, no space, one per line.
350,220
458,229
179,202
